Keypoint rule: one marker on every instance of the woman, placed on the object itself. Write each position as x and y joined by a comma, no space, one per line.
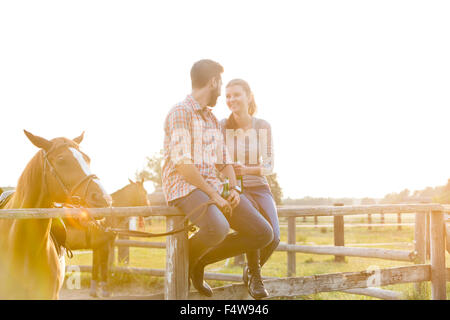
249,141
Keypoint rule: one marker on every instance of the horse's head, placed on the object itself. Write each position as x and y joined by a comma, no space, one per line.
132,195
66,173
137,193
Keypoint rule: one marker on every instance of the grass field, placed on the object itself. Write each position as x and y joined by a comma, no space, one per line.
306,264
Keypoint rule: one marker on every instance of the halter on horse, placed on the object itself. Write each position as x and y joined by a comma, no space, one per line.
29,264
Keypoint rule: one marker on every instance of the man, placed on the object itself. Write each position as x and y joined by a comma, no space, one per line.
193,151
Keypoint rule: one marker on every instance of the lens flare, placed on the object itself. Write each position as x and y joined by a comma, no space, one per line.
84,214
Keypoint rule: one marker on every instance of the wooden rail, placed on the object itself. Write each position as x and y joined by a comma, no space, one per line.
176,278
300,286
283,211
377,253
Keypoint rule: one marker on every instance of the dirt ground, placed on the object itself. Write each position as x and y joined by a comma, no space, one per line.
117,294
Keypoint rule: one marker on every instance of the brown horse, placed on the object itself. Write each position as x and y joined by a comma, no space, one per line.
30,267
100,240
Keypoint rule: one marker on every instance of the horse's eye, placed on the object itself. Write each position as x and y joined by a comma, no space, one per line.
60,160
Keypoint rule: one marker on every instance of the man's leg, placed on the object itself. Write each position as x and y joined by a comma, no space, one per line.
213,228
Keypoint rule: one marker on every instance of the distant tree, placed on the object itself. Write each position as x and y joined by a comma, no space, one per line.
277,192
404,195
152,170
443,196
390,198
367,201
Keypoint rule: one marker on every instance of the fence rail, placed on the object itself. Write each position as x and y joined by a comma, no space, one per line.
176,275
283,211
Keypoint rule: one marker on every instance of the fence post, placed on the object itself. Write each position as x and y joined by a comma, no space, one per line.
382,218
316,221
239,260
420,245
438,272
291,266
339,233
123,253
369,221
427,235
177,265
399,221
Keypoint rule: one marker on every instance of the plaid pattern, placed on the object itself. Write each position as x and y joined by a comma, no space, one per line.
192,133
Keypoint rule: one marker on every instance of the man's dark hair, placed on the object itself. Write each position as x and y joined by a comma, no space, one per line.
204,70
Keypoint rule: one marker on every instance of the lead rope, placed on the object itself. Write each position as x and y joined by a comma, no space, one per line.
141,234
191,227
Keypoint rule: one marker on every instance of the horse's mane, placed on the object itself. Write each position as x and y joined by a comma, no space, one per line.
29,191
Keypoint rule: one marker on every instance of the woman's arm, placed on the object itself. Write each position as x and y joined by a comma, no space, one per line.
244,170
266,152
266,148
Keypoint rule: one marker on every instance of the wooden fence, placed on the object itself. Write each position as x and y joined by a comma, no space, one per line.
176,275
369,224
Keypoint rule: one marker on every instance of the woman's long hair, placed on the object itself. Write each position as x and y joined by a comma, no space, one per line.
252,104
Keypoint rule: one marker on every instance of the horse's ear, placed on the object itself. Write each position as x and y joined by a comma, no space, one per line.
131,181
141,182
38,141
79,138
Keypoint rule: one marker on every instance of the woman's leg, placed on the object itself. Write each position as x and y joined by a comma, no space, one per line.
263,197
252,232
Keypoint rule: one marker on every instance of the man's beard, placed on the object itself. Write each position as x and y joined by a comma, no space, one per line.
214,95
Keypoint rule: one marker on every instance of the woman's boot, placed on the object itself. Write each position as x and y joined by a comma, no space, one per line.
255,285
252,276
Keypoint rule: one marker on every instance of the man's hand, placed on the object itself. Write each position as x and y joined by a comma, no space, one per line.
234,198
221,203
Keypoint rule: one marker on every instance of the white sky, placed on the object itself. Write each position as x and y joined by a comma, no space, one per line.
357,92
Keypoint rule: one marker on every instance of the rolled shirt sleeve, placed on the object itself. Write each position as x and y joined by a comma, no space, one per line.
178,126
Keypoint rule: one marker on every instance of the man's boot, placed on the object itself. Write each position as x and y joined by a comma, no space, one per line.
196,271
196,276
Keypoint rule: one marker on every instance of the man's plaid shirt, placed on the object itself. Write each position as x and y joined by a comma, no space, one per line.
192,133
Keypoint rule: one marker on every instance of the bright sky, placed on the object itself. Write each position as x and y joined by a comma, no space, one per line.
357,92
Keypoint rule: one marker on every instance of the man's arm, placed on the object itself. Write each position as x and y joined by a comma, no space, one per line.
191,174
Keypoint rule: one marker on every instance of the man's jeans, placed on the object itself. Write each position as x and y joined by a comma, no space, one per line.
252,231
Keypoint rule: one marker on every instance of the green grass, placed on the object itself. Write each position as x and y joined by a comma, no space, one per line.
306,264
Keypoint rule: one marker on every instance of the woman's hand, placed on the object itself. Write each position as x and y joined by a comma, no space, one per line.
234,198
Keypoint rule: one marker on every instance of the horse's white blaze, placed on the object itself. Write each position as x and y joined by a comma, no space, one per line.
85,167
62,265
97,181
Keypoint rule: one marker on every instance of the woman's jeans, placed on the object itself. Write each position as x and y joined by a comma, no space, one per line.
213,242
262,198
